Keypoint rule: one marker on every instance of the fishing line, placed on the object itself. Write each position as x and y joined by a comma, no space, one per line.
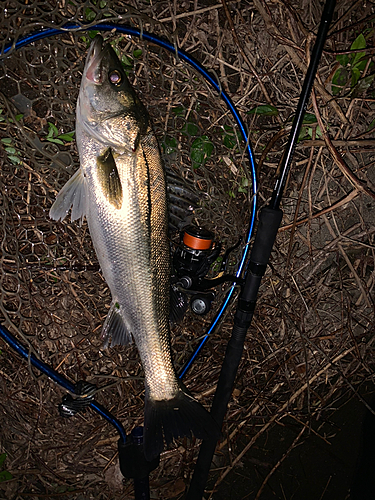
179,54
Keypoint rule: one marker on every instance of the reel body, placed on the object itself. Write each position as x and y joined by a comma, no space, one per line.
192,261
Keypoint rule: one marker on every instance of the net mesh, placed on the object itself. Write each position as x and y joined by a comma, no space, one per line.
52,294
40,86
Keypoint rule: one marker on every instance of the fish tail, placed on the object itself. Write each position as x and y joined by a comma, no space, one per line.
174,418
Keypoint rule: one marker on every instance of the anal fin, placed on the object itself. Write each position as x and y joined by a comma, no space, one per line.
115,330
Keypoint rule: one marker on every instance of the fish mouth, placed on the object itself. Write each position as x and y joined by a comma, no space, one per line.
100,59
93,68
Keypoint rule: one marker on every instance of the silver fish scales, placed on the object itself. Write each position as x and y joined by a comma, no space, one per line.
120,188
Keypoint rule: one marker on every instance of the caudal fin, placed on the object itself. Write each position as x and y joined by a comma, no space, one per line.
174,418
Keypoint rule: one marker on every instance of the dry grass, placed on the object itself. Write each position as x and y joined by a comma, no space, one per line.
311,340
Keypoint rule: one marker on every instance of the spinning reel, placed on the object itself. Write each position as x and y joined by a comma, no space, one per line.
192,260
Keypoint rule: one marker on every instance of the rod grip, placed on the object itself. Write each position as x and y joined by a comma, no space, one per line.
269,223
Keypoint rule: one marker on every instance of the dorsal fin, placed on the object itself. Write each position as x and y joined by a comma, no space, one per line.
109,178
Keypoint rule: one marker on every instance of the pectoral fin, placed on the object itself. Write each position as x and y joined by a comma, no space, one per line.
73,194
109,178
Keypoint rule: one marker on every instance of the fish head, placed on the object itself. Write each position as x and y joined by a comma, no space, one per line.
108,107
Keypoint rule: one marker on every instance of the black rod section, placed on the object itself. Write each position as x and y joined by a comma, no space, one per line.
269,222
302,104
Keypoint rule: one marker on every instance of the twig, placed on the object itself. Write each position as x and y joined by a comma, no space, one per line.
292,398
353,194
305,176
353,179
269,146
297,59
338,144
347,13
191,13
277,465
248,62
350,265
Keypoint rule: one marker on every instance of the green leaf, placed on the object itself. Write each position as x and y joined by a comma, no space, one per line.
127,62
303,134
343,59
55,141
244,185
5,476
356,75
169,145
90,14
372,124
200,151
93,33
52,130
6,140
359,43
229,141
178,111
68,137
10,150
190,129
265,110
102,4
2,458
228,129
15,160
364,83
309,118
339,80
137,53
361,64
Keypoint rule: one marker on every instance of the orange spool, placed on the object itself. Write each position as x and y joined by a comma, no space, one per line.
198,238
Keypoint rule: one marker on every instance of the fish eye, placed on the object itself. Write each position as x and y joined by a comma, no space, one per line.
115,77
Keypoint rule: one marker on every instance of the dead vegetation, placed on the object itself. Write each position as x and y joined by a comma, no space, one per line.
311,340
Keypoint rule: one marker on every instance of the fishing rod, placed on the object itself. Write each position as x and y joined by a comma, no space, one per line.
131,457
269,222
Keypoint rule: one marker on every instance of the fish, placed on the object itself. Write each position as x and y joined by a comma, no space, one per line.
120,188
